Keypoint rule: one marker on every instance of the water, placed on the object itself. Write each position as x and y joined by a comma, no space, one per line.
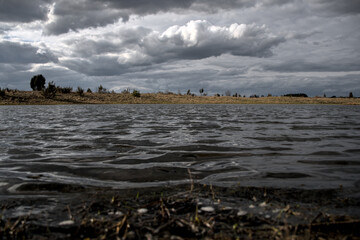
137,146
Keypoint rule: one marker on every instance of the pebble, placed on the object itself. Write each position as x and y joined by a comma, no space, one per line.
207,209
67,222
142,210
241,213
117,213
263,204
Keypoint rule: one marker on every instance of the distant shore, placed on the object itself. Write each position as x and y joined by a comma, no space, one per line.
37,98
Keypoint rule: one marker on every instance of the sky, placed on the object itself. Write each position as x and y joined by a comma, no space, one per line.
243,46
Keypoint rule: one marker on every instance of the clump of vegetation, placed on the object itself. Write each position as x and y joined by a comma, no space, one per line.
201,91
88,90
101,89
227,93
296,95
50,91
188,92
136,93
37,82
126,91
351,95
80,91
64,90
2,93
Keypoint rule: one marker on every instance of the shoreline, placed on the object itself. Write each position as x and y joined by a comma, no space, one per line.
36,98
184,212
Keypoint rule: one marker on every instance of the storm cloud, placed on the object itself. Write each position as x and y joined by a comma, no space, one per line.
195,40
24,53
250,46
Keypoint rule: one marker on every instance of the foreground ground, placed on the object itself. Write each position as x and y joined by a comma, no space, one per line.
183,212
32,98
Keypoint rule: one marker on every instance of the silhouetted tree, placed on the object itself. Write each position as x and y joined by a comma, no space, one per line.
101,89
136,93
88,90
227,93
80,91
37,82
201,91
50,91
188,92
351,95
2,92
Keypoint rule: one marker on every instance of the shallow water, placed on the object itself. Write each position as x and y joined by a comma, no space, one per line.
137,146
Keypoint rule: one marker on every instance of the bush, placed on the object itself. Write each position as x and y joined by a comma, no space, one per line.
136,93
88,90
80,91
351,95
126,91
101,89
2,92
64,90
50,91
37,82
296,95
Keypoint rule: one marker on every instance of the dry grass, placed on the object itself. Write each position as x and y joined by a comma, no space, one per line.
36,98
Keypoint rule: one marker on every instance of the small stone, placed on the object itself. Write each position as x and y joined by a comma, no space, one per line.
251,206
67,222
207,209
117,213
241,213
263,204
142,210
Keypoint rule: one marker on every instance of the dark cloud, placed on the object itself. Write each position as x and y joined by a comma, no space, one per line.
195,40
335,7
339,65
74,15
24,53
23,11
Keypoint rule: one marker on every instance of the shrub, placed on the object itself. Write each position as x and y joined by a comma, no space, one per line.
88,90
2,92
101,89
296,95
126,91
201,91
188,92
64,90
50,91
136,93
351,95
228,93
37,82
80,91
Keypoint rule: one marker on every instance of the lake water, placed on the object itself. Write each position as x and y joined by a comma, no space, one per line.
137,146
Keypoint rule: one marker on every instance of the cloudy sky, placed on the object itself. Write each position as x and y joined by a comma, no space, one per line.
245,46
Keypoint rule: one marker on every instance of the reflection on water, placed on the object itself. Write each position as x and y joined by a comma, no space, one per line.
67,148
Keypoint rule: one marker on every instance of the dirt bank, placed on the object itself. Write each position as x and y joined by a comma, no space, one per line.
36,98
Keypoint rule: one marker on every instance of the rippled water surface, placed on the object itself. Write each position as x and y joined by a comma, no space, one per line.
133,146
